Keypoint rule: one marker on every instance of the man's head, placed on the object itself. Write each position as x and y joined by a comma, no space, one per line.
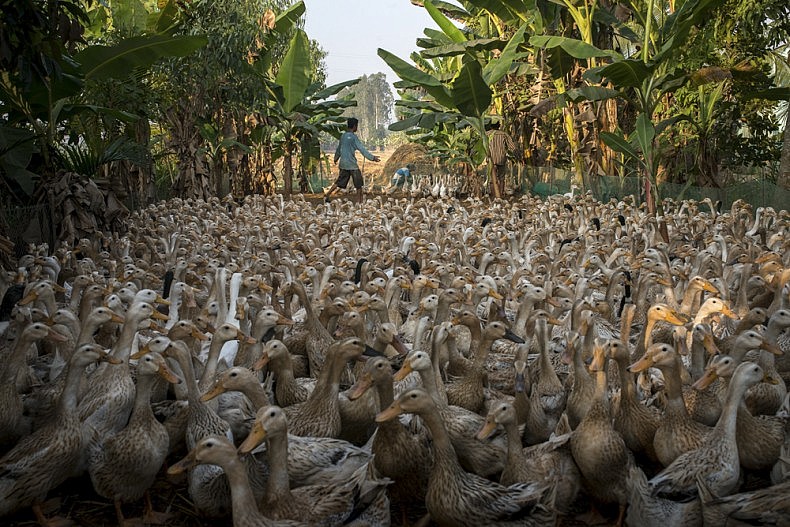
410,167
352,123
494,125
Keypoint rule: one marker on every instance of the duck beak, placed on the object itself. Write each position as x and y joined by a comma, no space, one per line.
710,288
265,287
156,327
262,362
160,300
160,316
730,313
397,343
118,319
187,463
360,387
106,357
284,321
640,365
142,351
567,354
255,438
167,374
242,337
55,336
709,345
598,362
674,318
770,379
30,297
771,348
494,294
196,333
215,390
488,428
390,413
404,370
552,301
509,335
706,380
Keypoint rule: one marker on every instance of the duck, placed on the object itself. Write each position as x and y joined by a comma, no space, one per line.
399,454
599,450
716,462
529,411
677,433
105,408
549,463
219,451
468,392
44,459
334,504
646,509
319,415
456,497
636,422
486,459
760,438
13,426
143,439
314,337
547,386
580,396
288,390
207,488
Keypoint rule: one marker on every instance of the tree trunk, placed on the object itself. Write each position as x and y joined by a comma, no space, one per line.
288,172
784,160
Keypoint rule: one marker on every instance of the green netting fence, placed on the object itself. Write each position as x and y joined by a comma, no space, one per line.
758,192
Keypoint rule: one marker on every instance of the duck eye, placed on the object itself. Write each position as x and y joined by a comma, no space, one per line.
272,413
234,374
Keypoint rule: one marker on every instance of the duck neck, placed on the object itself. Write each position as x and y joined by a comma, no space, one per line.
210,370
193,392
726,425
515,454
522,316
142,399
674,388
690,298
241,496
429,383
278,485
697,368
310,319
255,393
627,386
122,349
444,453
68,397
385,392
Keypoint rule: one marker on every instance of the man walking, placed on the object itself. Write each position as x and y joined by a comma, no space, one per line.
500,144
345,154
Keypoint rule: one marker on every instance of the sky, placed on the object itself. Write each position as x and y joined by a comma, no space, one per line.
351,31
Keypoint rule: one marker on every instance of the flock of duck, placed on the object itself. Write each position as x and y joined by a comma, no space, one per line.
407,361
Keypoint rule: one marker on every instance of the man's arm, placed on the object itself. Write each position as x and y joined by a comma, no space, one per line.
337,152
364,151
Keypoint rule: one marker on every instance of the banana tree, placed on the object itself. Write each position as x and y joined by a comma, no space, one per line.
645,80
301,110
465,95
40,102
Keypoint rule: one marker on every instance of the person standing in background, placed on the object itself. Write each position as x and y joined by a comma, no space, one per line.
500,145
345,158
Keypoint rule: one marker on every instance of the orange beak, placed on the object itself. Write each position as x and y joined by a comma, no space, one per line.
390,413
